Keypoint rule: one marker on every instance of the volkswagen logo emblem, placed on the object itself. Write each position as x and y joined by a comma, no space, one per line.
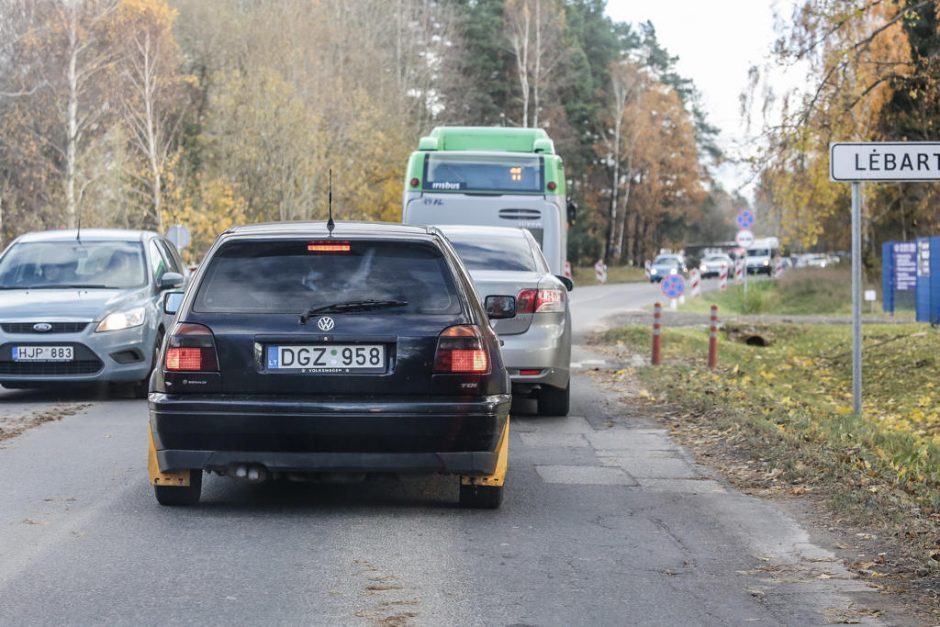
325,323
42,327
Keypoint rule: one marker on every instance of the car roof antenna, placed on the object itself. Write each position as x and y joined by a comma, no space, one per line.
330,225
78,230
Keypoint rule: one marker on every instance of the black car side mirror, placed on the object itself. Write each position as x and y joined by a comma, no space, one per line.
172,302
569,284
500,307
170,281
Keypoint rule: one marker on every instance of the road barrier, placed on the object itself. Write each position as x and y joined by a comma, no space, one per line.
657,334
713,339
695,283
739,269
723,278
778,268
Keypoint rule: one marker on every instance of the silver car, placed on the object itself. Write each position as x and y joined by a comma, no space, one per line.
712,264
84,307
665,265
534,323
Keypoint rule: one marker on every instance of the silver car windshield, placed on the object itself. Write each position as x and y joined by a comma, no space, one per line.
50,265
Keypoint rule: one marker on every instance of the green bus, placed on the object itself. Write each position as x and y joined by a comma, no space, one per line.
492,176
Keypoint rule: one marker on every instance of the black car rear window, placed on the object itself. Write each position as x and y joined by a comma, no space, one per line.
286,277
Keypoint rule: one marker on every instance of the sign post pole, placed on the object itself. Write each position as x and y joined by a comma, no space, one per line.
745,239
857,298
855,162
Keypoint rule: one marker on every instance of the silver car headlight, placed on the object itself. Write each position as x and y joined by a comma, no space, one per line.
122,320
703,268
654,271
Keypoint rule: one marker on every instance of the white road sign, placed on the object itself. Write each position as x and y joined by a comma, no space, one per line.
179,235
884,161
744,238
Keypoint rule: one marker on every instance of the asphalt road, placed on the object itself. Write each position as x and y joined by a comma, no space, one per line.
606,521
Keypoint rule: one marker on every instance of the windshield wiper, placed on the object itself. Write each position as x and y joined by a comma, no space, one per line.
58,287
87,286
351,306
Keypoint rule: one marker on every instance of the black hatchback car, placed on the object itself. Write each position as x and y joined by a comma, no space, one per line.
299,353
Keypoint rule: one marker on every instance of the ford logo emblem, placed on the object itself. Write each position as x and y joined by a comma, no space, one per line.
325,323
42,327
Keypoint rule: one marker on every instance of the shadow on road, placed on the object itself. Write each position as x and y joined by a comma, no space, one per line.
225,496
67,394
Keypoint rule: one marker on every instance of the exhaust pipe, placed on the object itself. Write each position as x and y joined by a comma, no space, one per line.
250,473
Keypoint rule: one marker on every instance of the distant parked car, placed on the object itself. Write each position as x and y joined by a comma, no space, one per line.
711,265
537,339
84,307
664,265
817,261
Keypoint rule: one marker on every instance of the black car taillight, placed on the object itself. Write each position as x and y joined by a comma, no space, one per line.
191,348
461,349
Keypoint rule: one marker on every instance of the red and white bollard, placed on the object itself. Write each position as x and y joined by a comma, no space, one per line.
713,339
695,283
723,278
657,334
739,271
568,272
778,268
646,268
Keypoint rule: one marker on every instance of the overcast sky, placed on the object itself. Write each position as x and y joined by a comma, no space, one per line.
717,41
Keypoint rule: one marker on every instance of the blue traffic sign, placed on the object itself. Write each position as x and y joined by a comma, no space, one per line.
745,219
673,286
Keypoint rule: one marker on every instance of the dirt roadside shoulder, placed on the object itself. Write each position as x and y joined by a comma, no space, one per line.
18,418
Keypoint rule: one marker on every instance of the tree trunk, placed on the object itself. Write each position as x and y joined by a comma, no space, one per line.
614,189
631,239
71,148
618,239
538,63
520,45
153,139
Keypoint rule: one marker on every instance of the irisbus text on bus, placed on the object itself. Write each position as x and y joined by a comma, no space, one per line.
492,176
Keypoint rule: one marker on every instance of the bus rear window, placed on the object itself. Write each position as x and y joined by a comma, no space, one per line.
448,172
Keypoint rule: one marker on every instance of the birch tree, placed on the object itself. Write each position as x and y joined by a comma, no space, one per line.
536,32
152,88
89,54
64,98
626,82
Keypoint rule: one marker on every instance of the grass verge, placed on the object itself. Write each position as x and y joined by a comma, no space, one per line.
615,274
798,291
789,404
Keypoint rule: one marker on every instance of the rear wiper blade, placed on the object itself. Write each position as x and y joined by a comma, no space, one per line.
350,306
